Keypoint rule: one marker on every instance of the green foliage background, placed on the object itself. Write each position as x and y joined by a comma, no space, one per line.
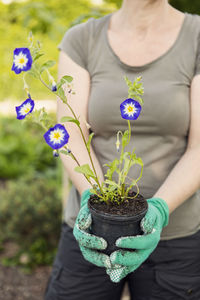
48,20
30,193
183,5
23,150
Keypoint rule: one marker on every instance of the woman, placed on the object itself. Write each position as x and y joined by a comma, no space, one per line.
152,39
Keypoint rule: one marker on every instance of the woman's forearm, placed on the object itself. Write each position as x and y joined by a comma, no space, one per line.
183,181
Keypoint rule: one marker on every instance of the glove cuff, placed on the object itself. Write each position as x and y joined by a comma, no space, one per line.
163,208
85,197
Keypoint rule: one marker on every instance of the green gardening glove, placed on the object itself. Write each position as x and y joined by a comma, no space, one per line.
89,244
156,218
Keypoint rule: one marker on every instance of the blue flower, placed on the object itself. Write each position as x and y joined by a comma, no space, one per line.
130,109
22,60
25,108
56,137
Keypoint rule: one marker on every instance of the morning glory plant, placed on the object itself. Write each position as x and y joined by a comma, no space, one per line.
26,61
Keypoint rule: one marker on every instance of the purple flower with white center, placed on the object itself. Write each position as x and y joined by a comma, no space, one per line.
25,108
56,137
130,109
22,60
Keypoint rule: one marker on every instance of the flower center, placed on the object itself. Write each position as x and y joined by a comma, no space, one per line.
27,110
21,60
130,108
57,135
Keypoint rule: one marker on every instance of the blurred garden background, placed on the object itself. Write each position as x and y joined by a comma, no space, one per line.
31,179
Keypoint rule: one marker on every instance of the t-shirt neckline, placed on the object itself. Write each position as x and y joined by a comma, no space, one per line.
159,58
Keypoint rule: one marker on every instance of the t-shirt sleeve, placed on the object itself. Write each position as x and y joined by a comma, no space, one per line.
197,63
75,43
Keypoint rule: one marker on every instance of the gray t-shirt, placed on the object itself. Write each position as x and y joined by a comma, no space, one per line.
160,134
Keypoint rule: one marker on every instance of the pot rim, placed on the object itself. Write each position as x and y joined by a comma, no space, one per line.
107,216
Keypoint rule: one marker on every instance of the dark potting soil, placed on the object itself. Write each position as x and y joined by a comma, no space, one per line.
129,207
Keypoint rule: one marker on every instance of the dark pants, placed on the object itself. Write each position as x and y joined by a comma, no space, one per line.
172,272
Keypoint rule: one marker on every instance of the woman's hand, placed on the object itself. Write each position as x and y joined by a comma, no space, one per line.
152,224
89,243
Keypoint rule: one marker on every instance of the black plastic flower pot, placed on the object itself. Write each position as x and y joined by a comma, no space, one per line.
111,227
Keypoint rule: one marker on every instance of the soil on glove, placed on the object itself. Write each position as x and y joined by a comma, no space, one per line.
129,207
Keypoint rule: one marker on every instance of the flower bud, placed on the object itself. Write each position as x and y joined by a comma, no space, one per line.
54,87
117,144
55,153
53,83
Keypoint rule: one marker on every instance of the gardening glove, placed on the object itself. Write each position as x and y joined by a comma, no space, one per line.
156,218
89,244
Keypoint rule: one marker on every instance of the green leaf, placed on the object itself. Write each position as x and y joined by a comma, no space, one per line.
37,56
48,64
63,80
86,170
112,167
135,89
139,161
112,188
33,73
128,82
126,165
67,78
61,94
40,117
112,183
69,119
89,141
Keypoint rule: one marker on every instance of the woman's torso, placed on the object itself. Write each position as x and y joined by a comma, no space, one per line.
160,134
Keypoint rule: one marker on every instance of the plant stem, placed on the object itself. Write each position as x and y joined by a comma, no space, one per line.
135,181
121,181
128,168
44,83
137,190
73,156
84,140
26,87
120,165
129,131
83,137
